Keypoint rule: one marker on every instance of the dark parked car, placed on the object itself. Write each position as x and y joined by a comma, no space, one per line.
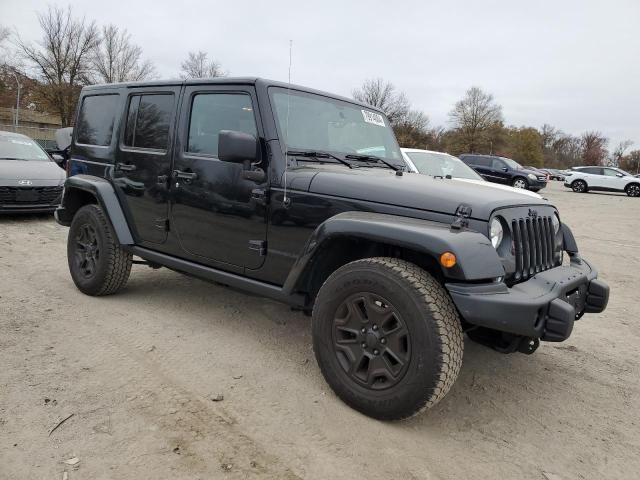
506,171
274,189
30,180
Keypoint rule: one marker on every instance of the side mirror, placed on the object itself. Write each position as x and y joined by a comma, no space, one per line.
237,147
505,169
619,175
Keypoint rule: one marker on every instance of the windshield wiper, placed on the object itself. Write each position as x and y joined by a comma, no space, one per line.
368,158
317,155
11,158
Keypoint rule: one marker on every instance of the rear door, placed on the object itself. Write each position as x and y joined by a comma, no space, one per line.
213,212
143,161
482,165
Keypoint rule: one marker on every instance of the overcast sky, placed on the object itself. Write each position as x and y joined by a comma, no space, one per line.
572,64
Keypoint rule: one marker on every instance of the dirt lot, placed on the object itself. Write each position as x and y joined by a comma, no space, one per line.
138,371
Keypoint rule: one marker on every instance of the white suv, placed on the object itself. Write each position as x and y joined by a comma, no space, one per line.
607,179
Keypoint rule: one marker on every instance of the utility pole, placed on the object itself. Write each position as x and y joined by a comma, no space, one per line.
17,97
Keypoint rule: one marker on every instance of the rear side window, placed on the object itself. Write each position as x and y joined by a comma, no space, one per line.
591,170
148,121
481,161
212,112
95,122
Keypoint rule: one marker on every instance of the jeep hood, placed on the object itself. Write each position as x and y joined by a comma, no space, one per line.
12,171
418,191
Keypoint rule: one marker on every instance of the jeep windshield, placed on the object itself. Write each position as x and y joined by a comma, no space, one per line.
21,148
312,122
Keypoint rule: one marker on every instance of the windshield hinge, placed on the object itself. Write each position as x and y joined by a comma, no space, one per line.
463,212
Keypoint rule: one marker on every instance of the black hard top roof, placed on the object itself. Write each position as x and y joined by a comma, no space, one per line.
223,81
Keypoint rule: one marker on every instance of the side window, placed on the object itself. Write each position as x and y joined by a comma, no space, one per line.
95,122
497,164
148,120
609,172
212,112
482,161
592,170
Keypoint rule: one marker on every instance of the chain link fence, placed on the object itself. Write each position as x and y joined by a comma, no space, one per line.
44,136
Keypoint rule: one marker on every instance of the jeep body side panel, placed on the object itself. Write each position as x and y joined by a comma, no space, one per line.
106,197
477,259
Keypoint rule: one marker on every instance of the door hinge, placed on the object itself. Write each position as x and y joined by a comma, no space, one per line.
162,224
259,196
259,246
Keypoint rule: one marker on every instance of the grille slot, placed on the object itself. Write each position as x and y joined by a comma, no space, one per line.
533,246
43,195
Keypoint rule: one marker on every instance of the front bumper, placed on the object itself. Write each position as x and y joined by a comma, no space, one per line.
544,306
11,209
536,185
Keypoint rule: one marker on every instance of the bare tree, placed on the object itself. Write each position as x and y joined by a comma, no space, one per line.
116,59
474,116
61,60
198,66
619,151
594,148
384,96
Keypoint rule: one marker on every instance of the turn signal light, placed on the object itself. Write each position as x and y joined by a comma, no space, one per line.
448,260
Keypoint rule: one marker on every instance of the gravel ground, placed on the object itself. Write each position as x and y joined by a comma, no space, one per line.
139,372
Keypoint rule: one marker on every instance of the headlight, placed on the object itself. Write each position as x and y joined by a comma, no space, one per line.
495,232
532,176
555,221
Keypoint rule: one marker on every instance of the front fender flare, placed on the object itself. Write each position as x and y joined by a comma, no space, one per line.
476,257
106,196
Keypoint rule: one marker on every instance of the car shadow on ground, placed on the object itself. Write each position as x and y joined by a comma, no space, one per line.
487,380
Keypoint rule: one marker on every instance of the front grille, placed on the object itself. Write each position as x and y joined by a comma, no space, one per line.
542,178
30,195
533,245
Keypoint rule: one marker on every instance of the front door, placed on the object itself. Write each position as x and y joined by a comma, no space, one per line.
143,161
214,213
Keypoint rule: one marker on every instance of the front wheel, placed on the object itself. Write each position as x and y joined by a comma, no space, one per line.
520,183
633,190
97,262
579,186
387,337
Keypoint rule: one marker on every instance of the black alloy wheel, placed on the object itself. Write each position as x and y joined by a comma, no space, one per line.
87,251
579,186
633,190
371,341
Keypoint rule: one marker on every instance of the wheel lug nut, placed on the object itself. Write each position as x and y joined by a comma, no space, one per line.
363,345
364,330
375,327
383,341
376,352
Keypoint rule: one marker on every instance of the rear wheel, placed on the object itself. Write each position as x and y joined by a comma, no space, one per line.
387,337
633,190
520,182
97,262
579,186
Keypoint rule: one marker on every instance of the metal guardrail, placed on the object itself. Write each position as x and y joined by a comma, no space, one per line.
44,136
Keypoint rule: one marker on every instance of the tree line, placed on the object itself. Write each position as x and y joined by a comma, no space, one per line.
477,125
73,52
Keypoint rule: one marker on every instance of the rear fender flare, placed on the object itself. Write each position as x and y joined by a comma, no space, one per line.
106,197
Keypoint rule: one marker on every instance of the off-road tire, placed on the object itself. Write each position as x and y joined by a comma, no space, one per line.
520,182
579,186
112,263
435,336
633,190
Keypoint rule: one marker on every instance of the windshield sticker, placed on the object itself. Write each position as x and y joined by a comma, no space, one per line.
372,117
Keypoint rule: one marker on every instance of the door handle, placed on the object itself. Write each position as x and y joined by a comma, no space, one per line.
186,176
125,167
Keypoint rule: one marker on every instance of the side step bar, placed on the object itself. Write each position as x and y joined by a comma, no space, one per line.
214,275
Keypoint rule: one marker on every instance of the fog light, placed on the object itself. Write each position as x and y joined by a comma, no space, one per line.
448,260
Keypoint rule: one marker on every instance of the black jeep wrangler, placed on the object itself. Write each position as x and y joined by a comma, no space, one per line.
301,196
